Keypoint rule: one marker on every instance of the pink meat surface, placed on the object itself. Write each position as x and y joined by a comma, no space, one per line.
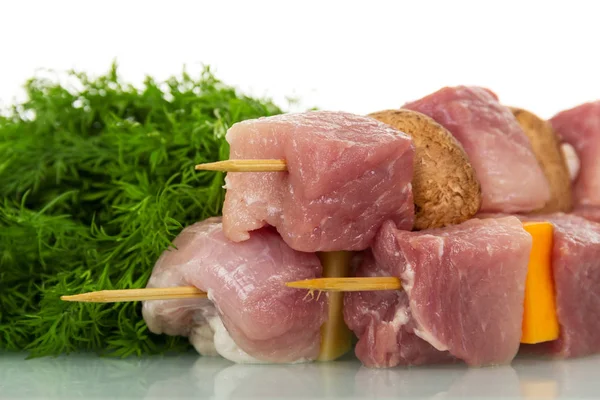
463,287
346,175
580,127
591,213
245,284
383,322
510,176
576,265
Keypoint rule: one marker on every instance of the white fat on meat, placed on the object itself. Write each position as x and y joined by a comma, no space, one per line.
210,338
408,278
400,318
250,316
383,323
202,337
431,339
573,163
225,346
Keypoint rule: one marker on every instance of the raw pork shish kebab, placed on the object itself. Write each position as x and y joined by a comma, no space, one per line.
449,223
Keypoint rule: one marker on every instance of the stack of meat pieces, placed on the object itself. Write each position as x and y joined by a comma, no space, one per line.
325,201
348,187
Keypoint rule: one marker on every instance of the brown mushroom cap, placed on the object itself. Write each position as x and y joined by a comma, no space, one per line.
445,188
546,147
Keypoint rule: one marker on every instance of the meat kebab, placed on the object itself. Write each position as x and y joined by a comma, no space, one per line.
398,196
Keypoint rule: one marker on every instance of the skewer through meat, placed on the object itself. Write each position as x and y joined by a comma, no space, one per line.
249,316
463,295
327,200
363,183
346,174
576,272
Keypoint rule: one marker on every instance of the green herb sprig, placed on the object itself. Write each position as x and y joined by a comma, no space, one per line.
95,182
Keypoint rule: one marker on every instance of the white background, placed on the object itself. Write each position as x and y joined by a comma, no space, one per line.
353,56
358,57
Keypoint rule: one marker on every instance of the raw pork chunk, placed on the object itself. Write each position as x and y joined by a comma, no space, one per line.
591,213
510,176
383,321
576,266
250,315
346,175
463,295
580,127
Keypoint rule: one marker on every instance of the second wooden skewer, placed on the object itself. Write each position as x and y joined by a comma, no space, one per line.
244,166
357,284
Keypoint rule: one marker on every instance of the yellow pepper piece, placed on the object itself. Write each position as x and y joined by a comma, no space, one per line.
540,321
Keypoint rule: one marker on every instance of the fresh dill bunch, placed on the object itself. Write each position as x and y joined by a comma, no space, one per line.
95,182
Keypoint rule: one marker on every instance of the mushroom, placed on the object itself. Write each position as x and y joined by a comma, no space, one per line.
445,188
551,158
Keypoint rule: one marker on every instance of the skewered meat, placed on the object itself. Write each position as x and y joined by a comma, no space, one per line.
346,175
580,128
250,315
463,295
576,267
383,322
510,176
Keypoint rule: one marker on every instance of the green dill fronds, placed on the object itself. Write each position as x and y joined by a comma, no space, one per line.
94,184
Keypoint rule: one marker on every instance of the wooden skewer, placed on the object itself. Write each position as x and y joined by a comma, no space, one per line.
190,292
114,296
244,166
358,284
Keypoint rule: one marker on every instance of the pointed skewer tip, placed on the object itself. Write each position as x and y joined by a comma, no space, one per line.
250,165
186,292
